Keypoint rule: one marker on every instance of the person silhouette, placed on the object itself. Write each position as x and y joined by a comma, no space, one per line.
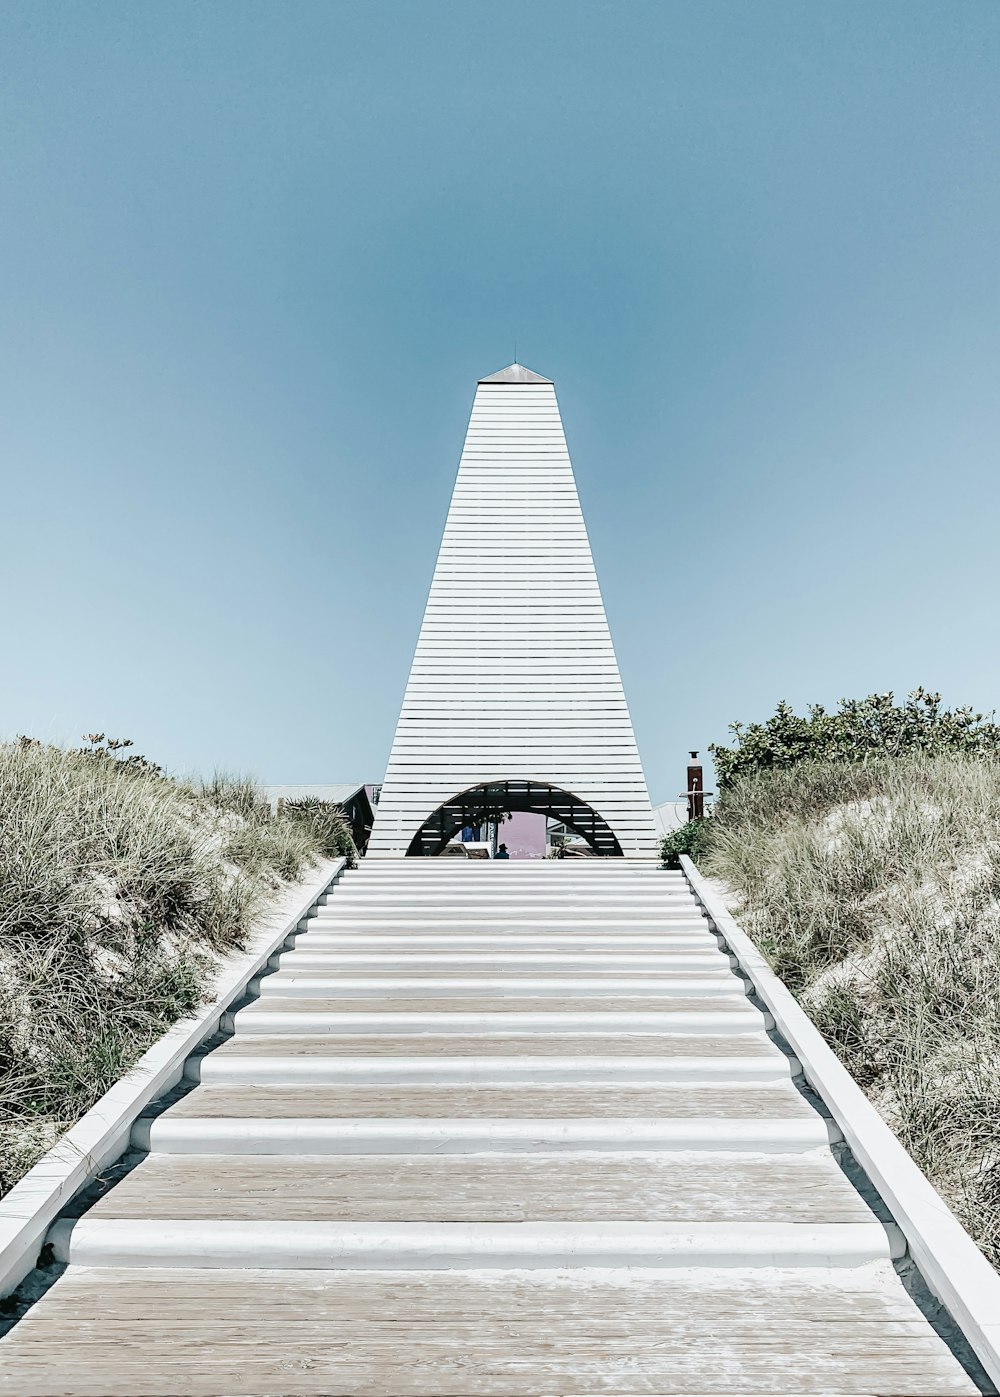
502,852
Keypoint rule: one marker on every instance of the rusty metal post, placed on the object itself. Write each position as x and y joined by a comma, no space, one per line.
695,789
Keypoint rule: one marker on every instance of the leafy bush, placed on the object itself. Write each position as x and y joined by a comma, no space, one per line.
861,730
118,888
874,891
690,838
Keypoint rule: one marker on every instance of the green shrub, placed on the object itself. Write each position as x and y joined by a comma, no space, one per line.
690,838
861,730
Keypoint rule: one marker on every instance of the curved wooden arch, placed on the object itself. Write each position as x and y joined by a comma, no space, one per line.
488,801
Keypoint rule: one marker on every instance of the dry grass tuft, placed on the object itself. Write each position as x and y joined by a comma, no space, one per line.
874,890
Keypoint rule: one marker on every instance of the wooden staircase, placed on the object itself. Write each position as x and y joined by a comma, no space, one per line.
487,1128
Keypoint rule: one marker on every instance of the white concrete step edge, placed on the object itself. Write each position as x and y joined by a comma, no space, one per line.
709,961
102,1134
247,1070
255,1019
575,924
347,1135
517,871
625,867
505,943
654,883
442,1245
371,909
517,875
501,898
365,898
502,887
375,953
545,891
951,1264
429,867
290,984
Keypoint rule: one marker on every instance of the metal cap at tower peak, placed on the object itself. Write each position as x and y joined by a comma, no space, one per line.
515,373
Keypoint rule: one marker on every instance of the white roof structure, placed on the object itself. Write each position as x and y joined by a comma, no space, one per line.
669,816
338,791
514,684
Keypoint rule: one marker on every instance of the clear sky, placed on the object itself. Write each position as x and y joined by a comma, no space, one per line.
253,258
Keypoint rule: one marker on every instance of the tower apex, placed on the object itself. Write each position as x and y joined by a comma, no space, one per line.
515,373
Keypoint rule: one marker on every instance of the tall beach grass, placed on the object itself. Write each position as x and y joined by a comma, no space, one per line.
874,890
120,888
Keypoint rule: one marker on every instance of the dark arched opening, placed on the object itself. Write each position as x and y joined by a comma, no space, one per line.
492,800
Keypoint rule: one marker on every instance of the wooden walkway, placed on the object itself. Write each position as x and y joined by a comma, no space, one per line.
486,1129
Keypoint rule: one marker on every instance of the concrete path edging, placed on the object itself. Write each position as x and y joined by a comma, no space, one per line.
102,1134
953,1267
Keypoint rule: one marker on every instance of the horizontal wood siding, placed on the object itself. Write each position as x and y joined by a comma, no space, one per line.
515,675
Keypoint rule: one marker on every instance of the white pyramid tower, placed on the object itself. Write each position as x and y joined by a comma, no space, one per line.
515,679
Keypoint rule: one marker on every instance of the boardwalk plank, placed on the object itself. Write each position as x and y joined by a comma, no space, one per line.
807,1188
261,1334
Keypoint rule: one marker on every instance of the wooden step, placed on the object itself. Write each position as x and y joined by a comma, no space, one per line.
751,1047
489,1188
466,1101
104,1332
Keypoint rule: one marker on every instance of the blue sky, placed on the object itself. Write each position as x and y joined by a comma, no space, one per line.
253,258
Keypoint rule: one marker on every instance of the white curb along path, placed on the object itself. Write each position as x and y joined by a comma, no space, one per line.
486,1129
949,1260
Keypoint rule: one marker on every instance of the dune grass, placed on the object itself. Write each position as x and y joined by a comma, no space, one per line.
874,890
119,890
